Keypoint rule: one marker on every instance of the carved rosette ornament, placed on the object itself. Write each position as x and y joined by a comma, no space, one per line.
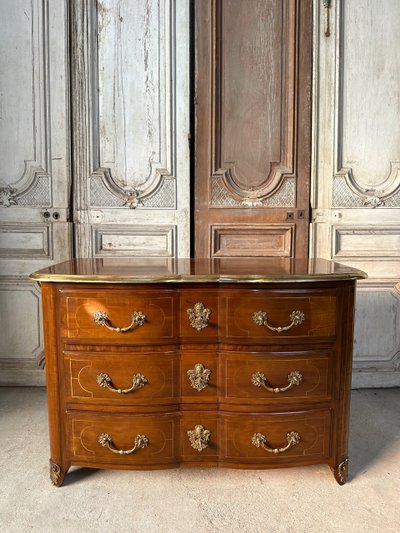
373,201
133,199
7,196
251,202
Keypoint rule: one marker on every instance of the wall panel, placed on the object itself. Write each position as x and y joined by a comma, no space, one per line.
34,173
356,170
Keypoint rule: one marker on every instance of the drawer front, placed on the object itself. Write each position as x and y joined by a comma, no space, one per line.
269,316
199,376
93,437
243,438
263,378
115,309
199,437
132,379
199,314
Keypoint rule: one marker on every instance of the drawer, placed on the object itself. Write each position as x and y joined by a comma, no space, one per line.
290,438
270,316
133,316
199,314
266,378
131,379
199,438
97,439
199,376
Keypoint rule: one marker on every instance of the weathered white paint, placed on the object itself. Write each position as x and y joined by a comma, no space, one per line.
370,94
17,241
34,173
365,242
131,122
356,154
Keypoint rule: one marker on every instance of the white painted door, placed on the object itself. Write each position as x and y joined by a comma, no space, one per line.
356,192
130,109
34,174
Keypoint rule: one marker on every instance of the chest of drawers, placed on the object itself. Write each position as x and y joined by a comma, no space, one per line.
232,363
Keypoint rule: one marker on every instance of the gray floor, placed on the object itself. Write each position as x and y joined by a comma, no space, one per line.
204,500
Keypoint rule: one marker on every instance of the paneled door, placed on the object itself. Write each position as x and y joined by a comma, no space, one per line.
356,186
130,115
34,174
252,138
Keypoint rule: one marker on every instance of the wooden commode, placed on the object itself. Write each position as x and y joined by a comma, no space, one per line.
157,363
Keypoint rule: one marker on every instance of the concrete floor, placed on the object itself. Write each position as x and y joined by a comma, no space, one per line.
297,500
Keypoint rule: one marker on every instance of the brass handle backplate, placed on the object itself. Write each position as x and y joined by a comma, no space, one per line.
199,437
259,440
101,318
199,376
199,316
104,380
141,441
261,319
259,380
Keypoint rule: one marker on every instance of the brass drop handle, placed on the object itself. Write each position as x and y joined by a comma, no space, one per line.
259,380
259,440
199,316
104,380
141,441
199,437
101,318
261,319
199,376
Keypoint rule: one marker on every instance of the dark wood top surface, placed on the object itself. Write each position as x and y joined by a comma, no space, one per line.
226,270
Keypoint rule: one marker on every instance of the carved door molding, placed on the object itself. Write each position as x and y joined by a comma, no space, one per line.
360,179
253,71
